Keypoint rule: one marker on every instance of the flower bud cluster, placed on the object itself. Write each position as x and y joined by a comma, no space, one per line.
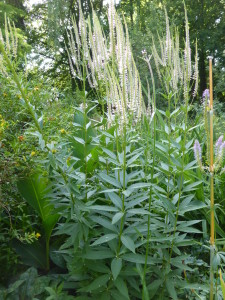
110,63
219,155
172,61
198,153
219,152
10,43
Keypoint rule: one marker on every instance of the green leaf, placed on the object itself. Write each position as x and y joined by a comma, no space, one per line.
139,185
79,140
116,200
110,180
136,201
128,243
189,144
122,287
35,191
193,205
102,208
133,159
175,111
171,289
117,217
191,165
192,186
138,258
116,266
138,211
104,222
104,239
31,254
154,286
97,283
105,296
101,254
162,147
110,153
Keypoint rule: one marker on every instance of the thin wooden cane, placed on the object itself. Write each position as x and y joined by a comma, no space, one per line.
212,217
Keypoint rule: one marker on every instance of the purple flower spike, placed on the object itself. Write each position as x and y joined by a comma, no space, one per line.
205,94
219,141
219,144
198,151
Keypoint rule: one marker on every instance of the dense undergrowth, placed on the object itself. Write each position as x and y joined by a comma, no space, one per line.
101,196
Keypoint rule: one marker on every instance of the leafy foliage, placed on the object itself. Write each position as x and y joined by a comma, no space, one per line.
122,209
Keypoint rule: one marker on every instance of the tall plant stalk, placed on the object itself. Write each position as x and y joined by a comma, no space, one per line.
144,290
212,217
20,88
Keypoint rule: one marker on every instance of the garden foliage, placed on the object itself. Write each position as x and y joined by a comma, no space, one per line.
117,204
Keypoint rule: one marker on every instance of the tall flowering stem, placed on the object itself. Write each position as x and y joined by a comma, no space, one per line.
212,223
214,165
107,63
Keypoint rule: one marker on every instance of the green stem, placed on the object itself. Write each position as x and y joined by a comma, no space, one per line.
180,188
124,187
144,290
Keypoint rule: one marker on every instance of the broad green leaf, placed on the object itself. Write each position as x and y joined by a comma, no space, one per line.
136,201
105,296
191,165
116,200
194,205
102,208
79,118
35,191
122,287
79,140
171,289
189,230
97,283
128,243
100,267
161,111
110,153
117,217
104,239
192,186
12,288
189,144
101,254
110,180
194,286
162,147
139,185
154,286
116,295
31,254
175,111
104,222
138,211
133,159
138,258
116,266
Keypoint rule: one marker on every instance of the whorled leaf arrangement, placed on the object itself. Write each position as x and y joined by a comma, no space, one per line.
110,63
9,42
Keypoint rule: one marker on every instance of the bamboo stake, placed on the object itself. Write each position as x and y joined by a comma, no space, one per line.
212,217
